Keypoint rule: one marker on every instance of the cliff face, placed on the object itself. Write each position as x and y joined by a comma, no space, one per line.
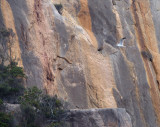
81,118
60,54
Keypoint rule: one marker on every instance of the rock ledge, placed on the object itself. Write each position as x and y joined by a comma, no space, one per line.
100,118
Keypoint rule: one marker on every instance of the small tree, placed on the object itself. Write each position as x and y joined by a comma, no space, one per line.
5,120
11,80
45,108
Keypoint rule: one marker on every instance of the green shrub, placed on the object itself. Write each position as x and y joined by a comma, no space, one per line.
41,106
55,124
5,120
29,114
31,97
1,102
11,80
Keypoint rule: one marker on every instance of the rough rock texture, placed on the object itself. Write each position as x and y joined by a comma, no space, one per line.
59,52
100,118
83,118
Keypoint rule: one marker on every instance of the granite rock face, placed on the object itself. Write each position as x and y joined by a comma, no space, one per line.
59,52
83,118
100,118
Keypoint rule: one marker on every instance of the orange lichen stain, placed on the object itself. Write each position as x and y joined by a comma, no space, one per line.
146,38
9,23
130,64
85,21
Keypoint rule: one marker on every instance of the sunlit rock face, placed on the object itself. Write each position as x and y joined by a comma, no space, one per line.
59,52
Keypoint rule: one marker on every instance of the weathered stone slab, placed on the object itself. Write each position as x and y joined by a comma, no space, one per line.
100,118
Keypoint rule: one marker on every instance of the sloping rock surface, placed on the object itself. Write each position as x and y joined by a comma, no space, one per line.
83,117
100,118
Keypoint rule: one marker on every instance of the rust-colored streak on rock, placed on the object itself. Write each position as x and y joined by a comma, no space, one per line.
119,34
146,39
149,35
43,46
9,23
85,21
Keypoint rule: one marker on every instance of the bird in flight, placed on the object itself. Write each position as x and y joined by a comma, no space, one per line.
120,44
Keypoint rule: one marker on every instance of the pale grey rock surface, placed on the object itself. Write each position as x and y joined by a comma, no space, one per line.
100,118
155,9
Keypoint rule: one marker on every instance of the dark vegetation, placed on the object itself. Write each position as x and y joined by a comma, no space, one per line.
38,109
11,79
7,77
11,87
5,120
11,76
59,8
11,82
